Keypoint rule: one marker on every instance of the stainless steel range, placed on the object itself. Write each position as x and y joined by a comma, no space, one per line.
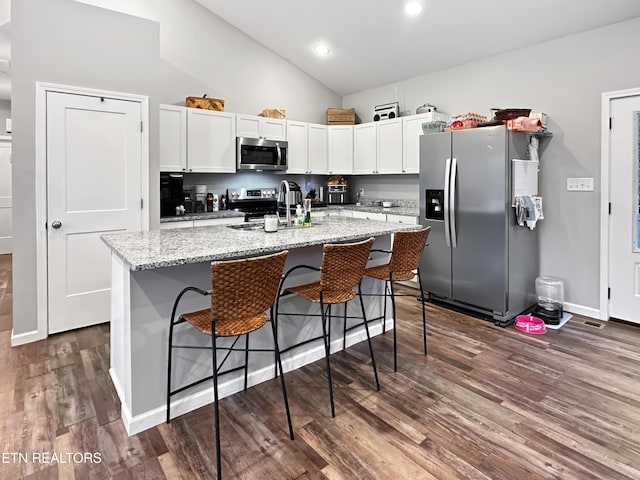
255,203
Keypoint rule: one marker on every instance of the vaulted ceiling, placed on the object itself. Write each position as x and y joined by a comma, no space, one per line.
374,42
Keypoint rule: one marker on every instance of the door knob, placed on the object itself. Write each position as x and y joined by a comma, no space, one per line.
56,224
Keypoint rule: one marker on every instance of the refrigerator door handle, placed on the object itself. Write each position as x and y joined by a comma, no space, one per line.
452,201
447,172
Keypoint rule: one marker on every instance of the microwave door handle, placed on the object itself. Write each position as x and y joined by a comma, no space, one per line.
278,155
447,172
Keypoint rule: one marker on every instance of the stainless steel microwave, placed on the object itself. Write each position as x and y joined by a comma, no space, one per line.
261,154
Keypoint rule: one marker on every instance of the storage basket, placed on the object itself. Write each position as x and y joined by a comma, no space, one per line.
341,116
205,103
274,113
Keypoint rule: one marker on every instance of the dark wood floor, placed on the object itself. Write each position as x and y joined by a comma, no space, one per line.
487,403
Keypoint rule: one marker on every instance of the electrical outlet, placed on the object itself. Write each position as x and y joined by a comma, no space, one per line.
580,184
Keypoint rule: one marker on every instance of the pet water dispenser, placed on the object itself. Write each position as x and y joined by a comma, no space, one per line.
550,297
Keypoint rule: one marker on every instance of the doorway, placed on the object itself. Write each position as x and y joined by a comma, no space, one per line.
623,206
96,181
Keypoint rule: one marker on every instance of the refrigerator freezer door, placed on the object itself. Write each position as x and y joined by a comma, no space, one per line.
479,259
435,266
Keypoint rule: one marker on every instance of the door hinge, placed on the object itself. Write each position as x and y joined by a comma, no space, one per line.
609,293
141,203
610,123
609,208
142,126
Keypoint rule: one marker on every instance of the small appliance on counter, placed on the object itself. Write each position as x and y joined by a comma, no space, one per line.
295,195
335,194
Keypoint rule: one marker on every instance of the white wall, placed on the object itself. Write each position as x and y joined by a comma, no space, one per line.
565,79
193,52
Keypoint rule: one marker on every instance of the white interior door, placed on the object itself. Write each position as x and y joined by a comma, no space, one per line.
624,234
93,187
5,197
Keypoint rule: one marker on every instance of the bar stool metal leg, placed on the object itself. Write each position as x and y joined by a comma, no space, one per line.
169,371
366,329
246,360
327,354
279,366
384,308
395,324
344,329
424,318
216,406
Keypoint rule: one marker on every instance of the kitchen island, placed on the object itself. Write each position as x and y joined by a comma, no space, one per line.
148,269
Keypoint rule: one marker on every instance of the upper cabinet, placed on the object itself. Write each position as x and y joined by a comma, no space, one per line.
378,147
196,140
318,161
340,149
255,127
173,138
298,152
211,141
411,131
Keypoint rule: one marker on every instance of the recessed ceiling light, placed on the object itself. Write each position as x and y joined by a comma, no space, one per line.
321,49
413,8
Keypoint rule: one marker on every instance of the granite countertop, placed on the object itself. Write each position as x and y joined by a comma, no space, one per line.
407,211
202,216
165,248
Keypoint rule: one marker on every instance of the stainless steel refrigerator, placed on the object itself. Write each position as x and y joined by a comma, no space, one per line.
478,258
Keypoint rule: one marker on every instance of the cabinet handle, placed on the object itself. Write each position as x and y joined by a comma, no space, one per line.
191,169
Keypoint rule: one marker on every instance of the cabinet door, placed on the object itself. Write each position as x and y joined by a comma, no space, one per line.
178,224
248,126
411,132
389,146
211,141
370,216
318,160
274,128
364,148
297,155
402,219
341,149
173,138
218,221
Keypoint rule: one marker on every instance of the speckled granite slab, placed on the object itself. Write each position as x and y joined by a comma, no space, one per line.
166,248
202,216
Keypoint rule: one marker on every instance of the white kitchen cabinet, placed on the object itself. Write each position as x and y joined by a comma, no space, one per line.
318,158
377,147
321,213
173,138
406,219
389,146
365,139
254,126
298,153
370,215
211,141
340,149
411,132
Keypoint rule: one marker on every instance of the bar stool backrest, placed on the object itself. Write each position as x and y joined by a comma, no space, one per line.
245,288
407,249
343,265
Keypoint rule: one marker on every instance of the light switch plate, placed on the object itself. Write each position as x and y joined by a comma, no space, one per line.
580,184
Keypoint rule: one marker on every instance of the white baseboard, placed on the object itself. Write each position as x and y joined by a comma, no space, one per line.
582,310
151,418
27,337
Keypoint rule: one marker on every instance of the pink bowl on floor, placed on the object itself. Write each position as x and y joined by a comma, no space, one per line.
530,324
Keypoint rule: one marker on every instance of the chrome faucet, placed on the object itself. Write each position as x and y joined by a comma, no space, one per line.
287,192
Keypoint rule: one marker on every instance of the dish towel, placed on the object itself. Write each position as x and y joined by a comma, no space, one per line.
528,210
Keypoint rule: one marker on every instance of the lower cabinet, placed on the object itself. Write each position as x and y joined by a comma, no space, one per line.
382,217
402,219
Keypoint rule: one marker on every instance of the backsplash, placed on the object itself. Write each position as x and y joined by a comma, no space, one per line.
377,201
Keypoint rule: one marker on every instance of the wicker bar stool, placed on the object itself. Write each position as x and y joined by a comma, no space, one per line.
242,291
341,271
405,257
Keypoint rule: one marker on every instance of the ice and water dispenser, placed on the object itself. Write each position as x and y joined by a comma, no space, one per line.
435,204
